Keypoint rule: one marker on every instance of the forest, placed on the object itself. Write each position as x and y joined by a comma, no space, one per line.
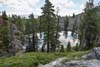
32,41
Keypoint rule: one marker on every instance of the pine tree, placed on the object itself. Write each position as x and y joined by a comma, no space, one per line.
74,25
62,48
5,18
49,24
4,31
68,46
57,31
33,32
77,47
66,22
31,28
20,23
43,47
40,26
89,29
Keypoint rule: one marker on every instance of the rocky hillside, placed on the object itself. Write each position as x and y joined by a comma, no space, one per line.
91,59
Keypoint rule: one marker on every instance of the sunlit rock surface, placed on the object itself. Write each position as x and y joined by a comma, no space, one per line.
15,45
82,63
73,63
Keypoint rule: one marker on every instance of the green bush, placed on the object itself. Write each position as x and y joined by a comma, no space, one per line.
27,60
62,48
33,59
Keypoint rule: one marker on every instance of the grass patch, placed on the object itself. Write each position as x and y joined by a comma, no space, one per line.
75,56
33,59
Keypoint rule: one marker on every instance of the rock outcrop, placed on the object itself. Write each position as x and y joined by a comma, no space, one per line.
82,63
94,54
92,59
15,45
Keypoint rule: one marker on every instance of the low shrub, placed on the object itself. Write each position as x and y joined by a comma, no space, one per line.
33,59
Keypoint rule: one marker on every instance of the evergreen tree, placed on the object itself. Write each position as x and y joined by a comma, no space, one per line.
33,29
43,47
77,47
19,23
62,48
18,20
5,18
66,22
89,29
68,46
34,41
41,33
57,32
40,27
49,24
74,25
4,31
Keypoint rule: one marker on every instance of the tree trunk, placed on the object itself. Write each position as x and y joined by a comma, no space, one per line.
33,42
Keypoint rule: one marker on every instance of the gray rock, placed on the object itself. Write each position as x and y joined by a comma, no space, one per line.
94,54
55,63
82,63
15,45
